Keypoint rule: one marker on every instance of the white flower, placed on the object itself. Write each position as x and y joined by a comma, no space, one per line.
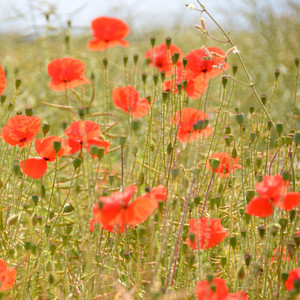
191,6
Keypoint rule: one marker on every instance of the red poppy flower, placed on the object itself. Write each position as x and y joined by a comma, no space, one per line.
158,193
108,32
66,73
7,276
214,290
2,80
116,210
36,167
294,276
197,86
127,98
260,207
162,57
227,164
209,233
200,63
190,117
20,130
240,295
272,191
92,225
272,187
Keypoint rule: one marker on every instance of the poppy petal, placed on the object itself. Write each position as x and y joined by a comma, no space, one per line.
34,167
2,80
289,201
259,207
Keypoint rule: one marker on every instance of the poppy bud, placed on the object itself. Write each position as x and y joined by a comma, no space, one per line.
279,128
247,258
122,140
34,219
261,231
165,96
233,241
297,137
93,150
27,245
19,113
45,128
135,58
286,176
35,199
264,99
175,58
125,60
192,237
18,83
51,278
234,68
297,62
275,228
284,276
224,81
292,215
283,223
249,195
144,77
289,139
258,162
214,163
69,228
81,112
2,99
105,62
162,75
77,163
240,118
243,233
152,41
56,146
252,137
184,62
197,200
168,41
234,153
184,84
64,125
68,208
227,130
277,73
28,112
175,172
179,87
251,109
297,239
155,78
12,220
223,261
269,124
241,273
291,247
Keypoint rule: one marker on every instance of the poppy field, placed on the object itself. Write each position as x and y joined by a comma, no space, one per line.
150,167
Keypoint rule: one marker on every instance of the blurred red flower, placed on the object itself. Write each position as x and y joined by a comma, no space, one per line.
116,210
35,167
108,32
294,276
20,130
200,63
7,276
272,190
161,58
2,80
206,232
127,98
217,290
187,119
227,164
66,73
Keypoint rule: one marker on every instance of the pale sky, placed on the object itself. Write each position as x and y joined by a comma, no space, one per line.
23,14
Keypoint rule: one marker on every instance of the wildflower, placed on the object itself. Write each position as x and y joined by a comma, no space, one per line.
192,124
116,210
207,233
108,32
272,190
217,290
127,98
7,276
202,62
35,167
66,73
2,80
227,164
161,57
191,6
294,276
20,130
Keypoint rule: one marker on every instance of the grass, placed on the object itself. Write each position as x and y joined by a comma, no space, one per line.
62,259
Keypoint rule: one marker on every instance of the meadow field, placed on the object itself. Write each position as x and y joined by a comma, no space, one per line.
154,163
